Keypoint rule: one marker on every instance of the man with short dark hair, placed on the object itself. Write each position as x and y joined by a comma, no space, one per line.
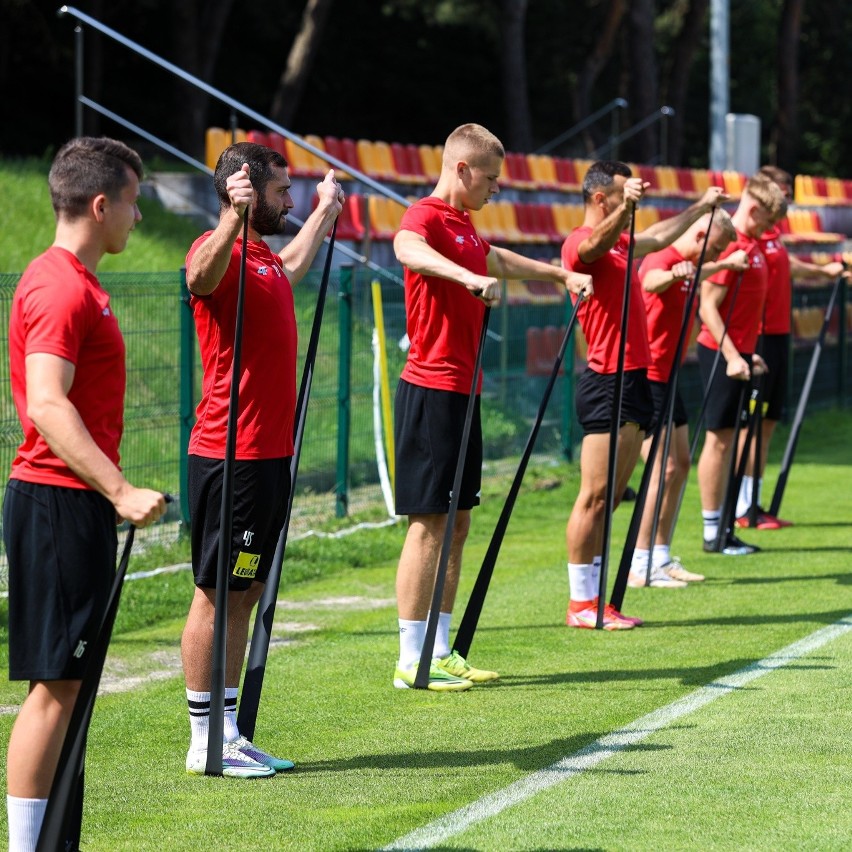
254,176
600,248
67,364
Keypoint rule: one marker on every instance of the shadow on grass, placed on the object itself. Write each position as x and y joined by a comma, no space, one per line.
529,759
843,579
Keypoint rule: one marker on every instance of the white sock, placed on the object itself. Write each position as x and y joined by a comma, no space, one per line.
411,636
580,584
442,637
744,497
662,555
25,819
639,563
199,719
711,523
231,731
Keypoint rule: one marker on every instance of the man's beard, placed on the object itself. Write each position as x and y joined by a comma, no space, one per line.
266,220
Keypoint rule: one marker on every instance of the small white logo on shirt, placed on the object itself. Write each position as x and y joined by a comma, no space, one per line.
460,240
105,312
248,535
80,649
263,270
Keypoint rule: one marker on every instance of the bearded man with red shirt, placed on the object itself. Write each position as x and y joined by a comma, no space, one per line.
451,274
600,248
731,311
66,489
666,277
775,349
253,175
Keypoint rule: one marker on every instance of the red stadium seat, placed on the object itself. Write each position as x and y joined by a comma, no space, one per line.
566,174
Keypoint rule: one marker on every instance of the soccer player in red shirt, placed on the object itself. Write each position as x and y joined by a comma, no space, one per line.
600,248
246,174
731,311
451,274
775,334
66,489
666,278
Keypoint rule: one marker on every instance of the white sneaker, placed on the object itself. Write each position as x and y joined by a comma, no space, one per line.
675,569
660,579
235,764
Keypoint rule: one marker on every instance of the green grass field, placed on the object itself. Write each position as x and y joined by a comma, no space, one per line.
766,765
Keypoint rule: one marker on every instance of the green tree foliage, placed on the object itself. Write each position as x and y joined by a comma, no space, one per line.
411,70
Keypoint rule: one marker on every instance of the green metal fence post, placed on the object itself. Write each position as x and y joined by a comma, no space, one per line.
568,389
344,377
187,393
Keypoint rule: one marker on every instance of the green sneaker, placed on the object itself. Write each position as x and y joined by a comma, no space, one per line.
249,749
439,680
457,665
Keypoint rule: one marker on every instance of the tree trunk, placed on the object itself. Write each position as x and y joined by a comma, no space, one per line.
786,131
515,91
291,85
644,90
684,54
592,68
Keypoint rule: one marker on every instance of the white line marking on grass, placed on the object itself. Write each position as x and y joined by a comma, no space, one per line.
607,746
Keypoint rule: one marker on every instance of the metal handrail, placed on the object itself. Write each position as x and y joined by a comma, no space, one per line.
231,102
657,115
616,103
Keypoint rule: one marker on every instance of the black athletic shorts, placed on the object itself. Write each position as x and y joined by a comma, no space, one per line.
261,492
61,546
725,401
428,427
594,395
658,394
775,350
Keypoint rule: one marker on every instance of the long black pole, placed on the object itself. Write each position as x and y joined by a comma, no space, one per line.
470,619
62,818
218,663
262,633
421,679
790,449
615,426
620,584
732,488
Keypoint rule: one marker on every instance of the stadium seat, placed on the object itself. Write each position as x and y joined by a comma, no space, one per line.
376,161
430,157
302,162
216,139
406,161
702,180
686,183
508,221
336,148
580,169
546,224
566,175
567,217
543,171
646,215
486,223
517,171
259,137
733,182
276,142
834,187
527,225
536,360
